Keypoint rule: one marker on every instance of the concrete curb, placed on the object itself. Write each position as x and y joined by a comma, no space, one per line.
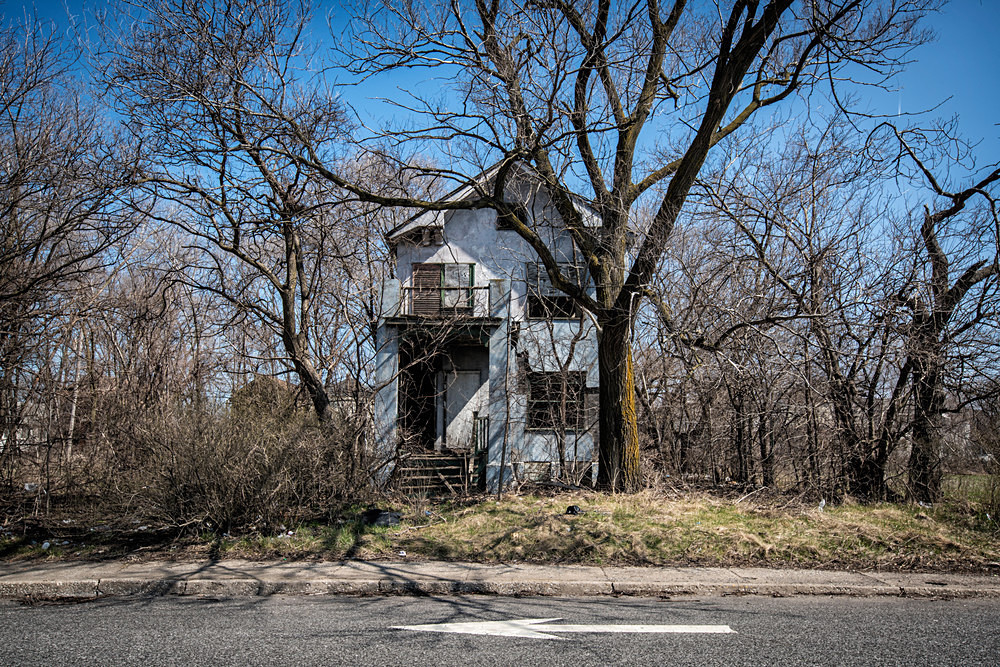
63,581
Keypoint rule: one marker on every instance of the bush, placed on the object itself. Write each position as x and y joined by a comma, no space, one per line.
249,465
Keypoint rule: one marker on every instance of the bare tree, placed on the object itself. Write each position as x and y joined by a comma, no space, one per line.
885,325
62,179
611,106
219,94
952,290
811,218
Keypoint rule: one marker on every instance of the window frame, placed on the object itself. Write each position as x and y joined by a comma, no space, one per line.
447,290
545,302
542,411
443,305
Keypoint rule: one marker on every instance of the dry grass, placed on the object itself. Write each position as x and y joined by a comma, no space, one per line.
642,529
699,529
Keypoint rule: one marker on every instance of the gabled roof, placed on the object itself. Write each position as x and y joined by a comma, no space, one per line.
435,219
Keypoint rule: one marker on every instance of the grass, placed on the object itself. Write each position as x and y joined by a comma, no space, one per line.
642,529
975,488
699,529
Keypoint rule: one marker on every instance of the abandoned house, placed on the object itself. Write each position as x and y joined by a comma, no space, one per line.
481,364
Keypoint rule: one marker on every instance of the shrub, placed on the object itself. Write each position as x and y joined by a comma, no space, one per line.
240,467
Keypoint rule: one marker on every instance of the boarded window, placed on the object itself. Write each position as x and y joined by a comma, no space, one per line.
426,289
544,300
556,400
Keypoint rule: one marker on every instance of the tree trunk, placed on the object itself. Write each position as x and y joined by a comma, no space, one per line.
295,346
618,457
864,468
765,440
737,472
924,466
314,386
866,475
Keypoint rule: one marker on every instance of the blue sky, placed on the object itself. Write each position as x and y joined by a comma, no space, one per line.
963,64
959,73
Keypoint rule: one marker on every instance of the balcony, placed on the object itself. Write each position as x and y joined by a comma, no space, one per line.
445,303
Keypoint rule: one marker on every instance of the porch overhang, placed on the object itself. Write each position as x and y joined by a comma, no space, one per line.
445,331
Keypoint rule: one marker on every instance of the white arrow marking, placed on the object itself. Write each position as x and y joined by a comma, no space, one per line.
536,628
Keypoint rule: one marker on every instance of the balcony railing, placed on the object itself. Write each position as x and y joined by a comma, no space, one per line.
445,302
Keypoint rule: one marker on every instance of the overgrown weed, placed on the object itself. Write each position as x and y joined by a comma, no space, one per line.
648,528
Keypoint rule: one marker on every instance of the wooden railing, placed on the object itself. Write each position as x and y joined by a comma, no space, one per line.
445,302
480,451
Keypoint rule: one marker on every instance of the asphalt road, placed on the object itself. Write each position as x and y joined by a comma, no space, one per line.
359,631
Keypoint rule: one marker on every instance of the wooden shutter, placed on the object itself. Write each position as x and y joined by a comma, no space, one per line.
426,289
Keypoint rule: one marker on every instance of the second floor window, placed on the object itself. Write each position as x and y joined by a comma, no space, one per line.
442,288
544,300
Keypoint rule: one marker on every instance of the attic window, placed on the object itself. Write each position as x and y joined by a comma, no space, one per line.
423,236
431,236
506,221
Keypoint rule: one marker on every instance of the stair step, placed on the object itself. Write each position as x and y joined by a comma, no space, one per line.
433,474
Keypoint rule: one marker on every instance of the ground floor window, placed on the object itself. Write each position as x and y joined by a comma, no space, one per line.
556,400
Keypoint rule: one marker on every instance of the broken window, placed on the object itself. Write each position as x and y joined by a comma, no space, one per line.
441,288
544,300
423,236
456,281
557,400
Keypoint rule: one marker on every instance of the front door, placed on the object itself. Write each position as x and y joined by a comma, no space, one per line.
464,396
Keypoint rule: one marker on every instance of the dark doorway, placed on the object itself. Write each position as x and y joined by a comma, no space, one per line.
417,396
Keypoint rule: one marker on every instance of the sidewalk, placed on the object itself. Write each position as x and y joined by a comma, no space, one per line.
243,578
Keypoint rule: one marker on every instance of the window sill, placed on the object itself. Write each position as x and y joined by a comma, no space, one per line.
553,430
